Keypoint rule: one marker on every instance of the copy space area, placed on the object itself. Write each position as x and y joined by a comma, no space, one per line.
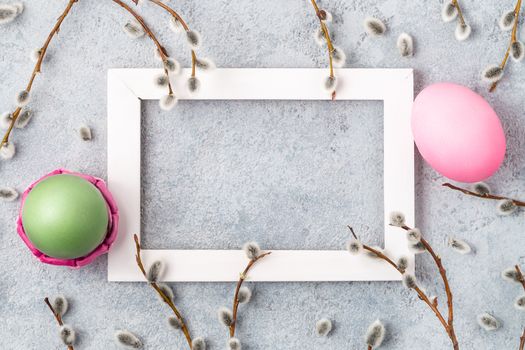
287,174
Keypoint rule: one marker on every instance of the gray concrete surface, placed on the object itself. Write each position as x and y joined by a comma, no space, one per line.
319,169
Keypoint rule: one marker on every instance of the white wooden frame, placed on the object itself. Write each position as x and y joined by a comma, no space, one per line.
126,89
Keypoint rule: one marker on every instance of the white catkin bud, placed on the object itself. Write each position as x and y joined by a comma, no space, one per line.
402,263
162,80
22,98
330,83
8,194
506,21
168,292
204,64
252,250
133,29
176,25
225,316
449,12
7,13
7,151
414,235
167,102
462,31
405,45
459,246
492,74
511,275
198,344
517,51
323,327
374,26
67,335
35,55
193,38
319,37
174,322
172,65
85,133
245,295
409,281
338,57
128,340
480,188
519,303
23,119
193,85
506,207
417,247
375,334
5,120
155,271
488,322
234,344
397,219
60,305
354,246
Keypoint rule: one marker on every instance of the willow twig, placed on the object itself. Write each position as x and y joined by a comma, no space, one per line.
58,318
321,15
447,325
175,15
162,51
159,291
443,273
242,278
486,196
513,38
460,12
521,279
38,67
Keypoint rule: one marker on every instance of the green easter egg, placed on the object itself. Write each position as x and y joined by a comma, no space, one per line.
65,216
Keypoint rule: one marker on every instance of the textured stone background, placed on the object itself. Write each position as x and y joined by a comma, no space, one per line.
197,175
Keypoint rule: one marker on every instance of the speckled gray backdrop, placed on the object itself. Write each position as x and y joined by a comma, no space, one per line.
287,174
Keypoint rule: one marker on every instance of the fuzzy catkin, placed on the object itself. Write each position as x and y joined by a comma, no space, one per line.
155,271
323,327
8,194
375,334
60,305
244,296
252,250
225,316
128,340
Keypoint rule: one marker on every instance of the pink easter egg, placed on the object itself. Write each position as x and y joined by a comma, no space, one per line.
457,132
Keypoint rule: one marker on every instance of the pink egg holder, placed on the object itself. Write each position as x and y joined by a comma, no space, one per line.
101,249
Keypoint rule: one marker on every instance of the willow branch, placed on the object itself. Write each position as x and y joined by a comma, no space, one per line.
159,291
521,279
513,38
522,340
58,318
486,196
460,12
448,326
175,15
162,51
321,15
242,278
38,67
